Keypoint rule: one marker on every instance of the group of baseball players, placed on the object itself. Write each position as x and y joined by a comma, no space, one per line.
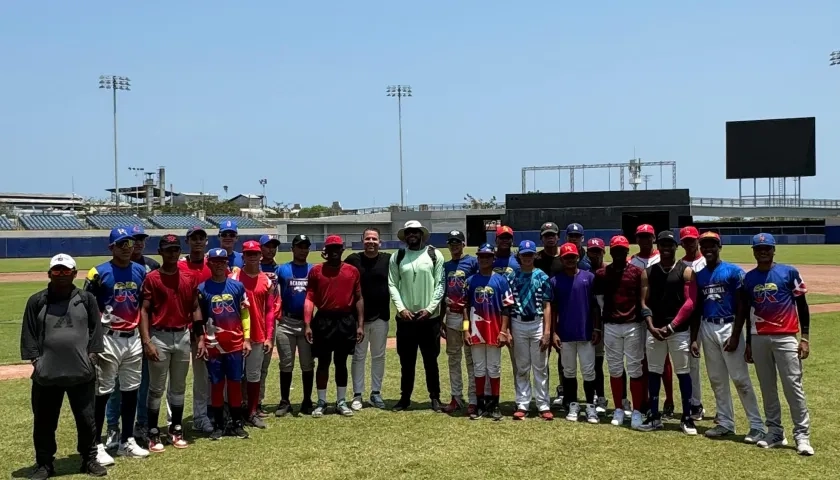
647,314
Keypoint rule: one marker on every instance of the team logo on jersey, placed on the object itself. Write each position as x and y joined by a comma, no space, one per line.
125,291
714,292
483,294
222,304
765,292
298,284
503,270
456,279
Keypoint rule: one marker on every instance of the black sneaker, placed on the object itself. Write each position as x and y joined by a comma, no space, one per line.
217,434
42,472
306,407
697,412
155,442
238,430
402,405
479,410
687,426
436,405
668,410
496,413
256,422
262,412
93,468
651,423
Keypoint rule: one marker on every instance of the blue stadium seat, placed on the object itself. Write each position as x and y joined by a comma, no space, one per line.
50,222
178,221
107,222
5,224
241,222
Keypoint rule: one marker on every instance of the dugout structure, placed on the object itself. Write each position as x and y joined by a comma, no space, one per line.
609,211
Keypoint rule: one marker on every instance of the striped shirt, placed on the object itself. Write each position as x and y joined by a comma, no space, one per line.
530,291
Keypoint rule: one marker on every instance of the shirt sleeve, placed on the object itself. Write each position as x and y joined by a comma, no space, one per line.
394,283
96,342
437,294
506,293
796,283
547,290
29,331
93,284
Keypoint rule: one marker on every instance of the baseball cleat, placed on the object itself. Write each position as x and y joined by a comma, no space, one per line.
519,414
401,405
618,418
472,409
112,440
129,448
102,456
217,434
754,436
636,420
803,447
574,412
668,410
155,443
320,409
262,412
238,430
283,408
343,409
547,415
256,422
203,425
687,426
628,409
436,406
772,441
141,435
479,410
454,405
591,413
718,431
43,472
601,405
697,412
306,407
376,400
93,468
651,423
356,404
176,437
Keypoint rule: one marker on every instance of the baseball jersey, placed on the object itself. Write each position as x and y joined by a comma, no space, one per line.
697,264
645,262
574,297
530,292
118,288
225,306
262,300
292,280
172,298
506,266
334,289
719,288
456,273
199,268
486,297
235,260
621,288
268,267
149,263
772,297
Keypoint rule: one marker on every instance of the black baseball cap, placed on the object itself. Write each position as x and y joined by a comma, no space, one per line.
456,235
169,240
667,236
195,229
301,239
549,227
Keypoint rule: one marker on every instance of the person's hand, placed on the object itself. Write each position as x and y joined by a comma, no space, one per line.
360,334
151,351
731,343
555,341
748,353
246,348
502,339
94,358
267,347
596,337
201,350
406,316
442,330
655,333
307,333
804,349
467,338
545,341
695,349
665,332
422,315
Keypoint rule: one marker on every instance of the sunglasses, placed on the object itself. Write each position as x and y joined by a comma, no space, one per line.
124,244
227,235
61,272
172,249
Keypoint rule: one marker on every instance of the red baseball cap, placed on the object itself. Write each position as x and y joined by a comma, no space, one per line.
568,249
251,246
504,230
644,229
689,232
595,243
333,240
619,241
710,236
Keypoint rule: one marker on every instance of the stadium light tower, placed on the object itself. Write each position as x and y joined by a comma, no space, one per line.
400,91
114,83
834,58
263,182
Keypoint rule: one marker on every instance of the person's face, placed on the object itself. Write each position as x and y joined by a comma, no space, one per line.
711,250
575,238
269,251
526,259
456,247
170,255
61,276
218,266
251,258
764,253
227,240
619,255
413,237
139,245
197,242
300,252
485,261
549,240
596,255
645,241
667,249
569,261
690,247
123,249
503,242
371,242
332,253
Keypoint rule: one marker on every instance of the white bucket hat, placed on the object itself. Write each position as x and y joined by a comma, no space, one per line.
413,224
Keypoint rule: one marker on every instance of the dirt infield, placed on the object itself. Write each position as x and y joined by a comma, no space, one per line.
23,277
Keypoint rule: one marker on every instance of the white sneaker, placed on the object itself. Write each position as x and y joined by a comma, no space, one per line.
803,447
131,449
574,412
618,417
112,440
102,456
357,404
636,420
628,409
773,441
601,405
591,413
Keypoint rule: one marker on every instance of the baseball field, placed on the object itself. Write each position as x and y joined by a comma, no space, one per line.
419,444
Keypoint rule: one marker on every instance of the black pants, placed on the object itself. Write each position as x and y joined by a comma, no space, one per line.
46,407
411,336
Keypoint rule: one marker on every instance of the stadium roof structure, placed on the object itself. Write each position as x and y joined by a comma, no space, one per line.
42,196
139,192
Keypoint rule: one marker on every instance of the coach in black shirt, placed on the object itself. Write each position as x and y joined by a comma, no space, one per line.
373,266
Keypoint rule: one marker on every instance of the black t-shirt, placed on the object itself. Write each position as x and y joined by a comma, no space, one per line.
148,262
374,279
549,264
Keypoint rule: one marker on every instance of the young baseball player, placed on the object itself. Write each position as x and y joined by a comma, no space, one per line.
170,307
262,309
457,270
116,285
487,307
577,330
268,249
775,295
335,289
530,327
505,263
548,259
225,343
595,254
696,261
228,234
721,327
669,290
618,288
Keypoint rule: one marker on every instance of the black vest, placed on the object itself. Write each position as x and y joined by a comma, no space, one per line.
666,294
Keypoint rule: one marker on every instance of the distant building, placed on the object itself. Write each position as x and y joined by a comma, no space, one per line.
23,203
247,201
185,198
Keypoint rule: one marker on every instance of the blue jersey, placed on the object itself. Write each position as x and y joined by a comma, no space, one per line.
772,299
235,259
292,280
487,297
118,288
268,267
506,266
720,288
456,273
225,306
530,291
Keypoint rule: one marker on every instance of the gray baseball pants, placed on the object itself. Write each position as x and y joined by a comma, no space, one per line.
780,353
174,353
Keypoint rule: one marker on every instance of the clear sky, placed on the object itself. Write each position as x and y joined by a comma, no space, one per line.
226,93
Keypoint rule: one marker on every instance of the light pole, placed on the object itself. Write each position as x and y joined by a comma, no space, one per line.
263,182
834,58
400,91
138,173
115,83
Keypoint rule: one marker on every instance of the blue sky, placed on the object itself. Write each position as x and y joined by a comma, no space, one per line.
295,92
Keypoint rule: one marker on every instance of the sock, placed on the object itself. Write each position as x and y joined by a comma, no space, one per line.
128,411
560,368
654,382
495,387
569,391
623,386
286,385
100,404
599,377
234,391
479,400
480,383
153,418
341,394
685,392
637,392
177,414
589,390
217,394
668,381
308,380
236,414
374,392
617,388
253,397
643,405
322,395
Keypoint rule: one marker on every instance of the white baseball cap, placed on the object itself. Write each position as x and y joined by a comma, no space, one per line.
62,260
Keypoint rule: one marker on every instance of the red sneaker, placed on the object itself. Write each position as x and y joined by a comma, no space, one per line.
547,415
472,409
176,437
520,415
454,405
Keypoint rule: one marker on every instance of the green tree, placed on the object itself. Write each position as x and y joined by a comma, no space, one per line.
477,203
314,211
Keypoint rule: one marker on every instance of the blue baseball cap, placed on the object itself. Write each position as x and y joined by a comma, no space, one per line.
195,229
574,229
266,239
119,234
217,253
527,246
138,231
228,226
485,248
763,239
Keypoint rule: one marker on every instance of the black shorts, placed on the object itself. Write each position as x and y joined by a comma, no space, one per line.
333,332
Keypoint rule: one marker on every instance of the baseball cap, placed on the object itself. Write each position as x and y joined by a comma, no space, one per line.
138,231
763,239
666,235
195,229
595,243
504,230
527,246
169,240
301,239
333,240
251,246
574,229
689,232
217,253
266,239
62,260
645,229
119,234
710,236
619,241
485,249
568,249
228,226
456,235
549,227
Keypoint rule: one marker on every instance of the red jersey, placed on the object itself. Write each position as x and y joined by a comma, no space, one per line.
621,289
200,268
334,289
172,297
263,303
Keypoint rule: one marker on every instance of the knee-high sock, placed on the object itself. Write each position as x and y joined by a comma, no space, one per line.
617,388
570,393
217,394
101,403
589,388
480,385
177,415
637,393
599,377
153,418
560,369
286,385
234,391
668,381
253,397
128,411
644,407
308,380
623,385
654,382
685,392
495,386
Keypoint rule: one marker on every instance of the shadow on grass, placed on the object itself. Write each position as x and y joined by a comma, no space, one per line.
63,466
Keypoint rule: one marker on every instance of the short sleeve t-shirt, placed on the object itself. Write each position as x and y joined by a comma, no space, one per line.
621,288
574,296
261,300
645,262
223,304
172,298
719,287
334,289
506,266
531,291
486,297
292,280
772,295
118,290
199,268
456,273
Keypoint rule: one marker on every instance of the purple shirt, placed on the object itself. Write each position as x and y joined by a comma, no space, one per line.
573,300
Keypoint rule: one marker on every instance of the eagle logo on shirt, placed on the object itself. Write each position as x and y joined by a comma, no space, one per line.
765,292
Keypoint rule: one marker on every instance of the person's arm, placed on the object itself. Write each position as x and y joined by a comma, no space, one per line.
437,294
309,302
741,300
697,315
30,336
245,309
597,322
145,313
360,301
689,293
96,342
272,306
394,284
647,314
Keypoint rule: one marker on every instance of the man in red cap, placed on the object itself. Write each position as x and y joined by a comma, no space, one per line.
335,289
595,253
696,261
618,288
648,255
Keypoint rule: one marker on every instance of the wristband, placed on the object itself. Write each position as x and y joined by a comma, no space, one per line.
670,328
646,312
803,339
597,330
465,325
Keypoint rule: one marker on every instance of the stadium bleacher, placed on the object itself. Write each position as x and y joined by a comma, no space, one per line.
241,222
107,222
178,221
5,224
50,222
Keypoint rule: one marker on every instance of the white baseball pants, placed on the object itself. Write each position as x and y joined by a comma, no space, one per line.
487,360
723,366
376,338
454,346
528,359
624,341
694,373
123,358
772,353
677,345
573,352
201,385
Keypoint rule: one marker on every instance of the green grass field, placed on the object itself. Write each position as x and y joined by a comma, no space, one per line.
421,445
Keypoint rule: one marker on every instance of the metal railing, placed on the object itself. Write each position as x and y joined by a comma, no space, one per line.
426,207
765,202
